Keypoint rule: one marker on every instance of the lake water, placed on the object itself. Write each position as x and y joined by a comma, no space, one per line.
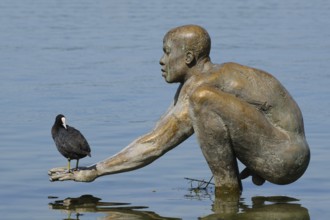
97,63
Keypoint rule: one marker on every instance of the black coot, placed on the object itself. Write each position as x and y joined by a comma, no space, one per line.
69,141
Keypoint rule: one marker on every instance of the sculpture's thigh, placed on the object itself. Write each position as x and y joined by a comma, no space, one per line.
225,120
215,144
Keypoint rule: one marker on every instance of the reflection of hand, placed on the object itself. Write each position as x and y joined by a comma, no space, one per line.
113,210
84,174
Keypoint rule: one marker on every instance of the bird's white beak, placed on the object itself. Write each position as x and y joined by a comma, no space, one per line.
63,122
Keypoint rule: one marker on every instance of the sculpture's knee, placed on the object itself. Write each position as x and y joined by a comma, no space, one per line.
200,97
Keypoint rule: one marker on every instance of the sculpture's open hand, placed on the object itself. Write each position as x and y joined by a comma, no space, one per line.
84,174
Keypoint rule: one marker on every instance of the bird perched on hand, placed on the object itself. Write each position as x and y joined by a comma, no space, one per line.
69,141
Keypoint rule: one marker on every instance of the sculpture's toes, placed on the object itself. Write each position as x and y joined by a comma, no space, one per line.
258,180
61,176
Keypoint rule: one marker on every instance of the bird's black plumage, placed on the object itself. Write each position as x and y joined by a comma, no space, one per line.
69,141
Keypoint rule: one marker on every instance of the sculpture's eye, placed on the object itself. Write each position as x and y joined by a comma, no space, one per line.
166,50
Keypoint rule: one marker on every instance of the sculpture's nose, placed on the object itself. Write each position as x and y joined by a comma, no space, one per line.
161,61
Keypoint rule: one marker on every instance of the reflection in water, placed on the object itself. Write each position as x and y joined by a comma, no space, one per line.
273,207
114,210
224,207
230,207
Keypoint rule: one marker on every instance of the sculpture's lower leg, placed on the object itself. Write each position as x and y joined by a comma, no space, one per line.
215,143
219,155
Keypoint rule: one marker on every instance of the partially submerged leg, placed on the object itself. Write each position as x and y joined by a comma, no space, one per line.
214,140
228,127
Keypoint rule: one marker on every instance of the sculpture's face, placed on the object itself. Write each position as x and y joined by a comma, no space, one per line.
173,63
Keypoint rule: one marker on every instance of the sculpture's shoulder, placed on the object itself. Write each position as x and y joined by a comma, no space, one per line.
228,74
237,74
229,71
231,67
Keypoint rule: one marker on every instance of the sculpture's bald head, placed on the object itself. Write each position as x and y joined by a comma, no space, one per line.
191,38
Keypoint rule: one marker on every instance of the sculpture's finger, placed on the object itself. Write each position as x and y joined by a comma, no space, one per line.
67,176
61,176
53,177
57,170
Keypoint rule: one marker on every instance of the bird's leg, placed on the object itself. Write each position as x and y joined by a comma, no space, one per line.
77,164
69,164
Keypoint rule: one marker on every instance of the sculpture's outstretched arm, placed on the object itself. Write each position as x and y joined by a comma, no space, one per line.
172,129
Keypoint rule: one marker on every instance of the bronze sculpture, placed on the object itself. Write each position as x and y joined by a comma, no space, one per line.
236,111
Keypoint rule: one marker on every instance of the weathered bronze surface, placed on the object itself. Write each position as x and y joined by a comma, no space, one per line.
236,112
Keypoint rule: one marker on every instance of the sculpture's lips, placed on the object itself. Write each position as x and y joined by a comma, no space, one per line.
163,72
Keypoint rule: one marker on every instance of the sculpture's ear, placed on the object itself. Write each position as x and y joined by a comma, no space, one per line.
190,57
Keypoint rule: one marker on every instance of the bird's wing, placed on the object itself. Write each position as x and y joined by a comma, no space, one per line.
78,140
62,145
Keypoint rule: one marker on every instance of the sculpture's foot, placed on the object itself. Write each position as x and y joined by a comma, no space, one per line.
245,174
230,191
256,179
